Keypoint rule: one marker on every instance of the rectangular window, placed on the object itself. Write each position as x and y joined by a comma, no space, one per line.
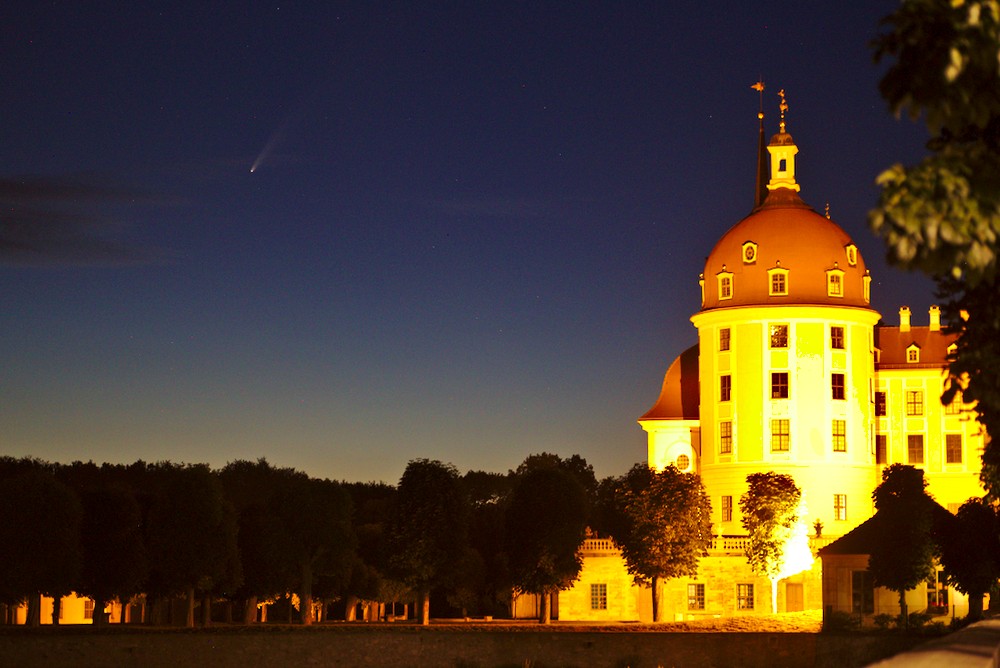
725,437
598,597
915,448
840,435
955,407
727,509
725,287
881,449
779,385
914,402
725,387
724,338
88,609
779,336
840,507
880,404
953,448
696,597
913,355
744,597
780,436
862,592
837,338
835,285
778,283
837,386
937,594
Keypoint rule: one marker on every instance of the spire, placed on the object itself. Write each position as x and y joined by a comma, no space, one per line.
782,149
760,190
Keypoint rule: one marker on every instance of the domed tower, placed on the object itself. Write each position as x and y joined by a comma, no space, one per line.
785,359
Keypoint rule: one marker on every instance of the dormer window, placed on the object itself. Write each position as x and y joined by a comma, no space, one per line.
701,284
725,279
866,283
952,349
913,354
749,252
835,282
852,254
777,280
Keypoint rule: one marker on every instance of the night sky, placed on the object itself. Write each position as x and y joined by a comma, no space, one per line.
474,230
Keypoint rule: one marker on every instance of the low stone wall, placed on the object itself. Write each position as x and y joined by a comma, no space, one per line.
356,645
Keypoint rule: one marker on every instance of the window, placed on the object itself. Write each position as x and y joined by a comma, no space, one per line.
727,509
778,283
837,386
912,354
840,435
696,597
937,594
725,438
744,597
835,283
840,507
725,387
779,436
725,285
779,336
866,283
862,592
598,597
779,385
852,254
953,448
914,402
724,338
88,609
837,338
955,407
683,463
915,448
749,252
880,404
881,449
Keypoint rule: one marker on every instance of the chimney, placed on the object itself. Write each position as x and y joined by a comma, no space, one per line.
935,314
904,318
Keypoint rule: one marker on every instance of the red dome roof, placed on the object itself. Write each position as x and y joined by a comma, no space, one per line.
785,232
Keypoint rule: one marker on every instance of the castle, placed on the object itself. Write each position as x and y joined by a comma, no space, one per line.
792,373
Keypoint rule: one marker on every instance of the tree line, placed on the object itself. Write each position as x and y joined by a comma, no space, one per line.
252,532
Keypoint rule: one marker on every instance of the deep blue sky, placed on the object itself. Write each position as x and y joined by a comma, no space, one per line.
475,232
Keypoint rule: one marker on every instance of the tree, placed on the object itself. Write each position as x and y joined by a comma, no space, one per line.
971,554
903,554
545,524
191,534
428,528
942,216
777,535
40,521
662,523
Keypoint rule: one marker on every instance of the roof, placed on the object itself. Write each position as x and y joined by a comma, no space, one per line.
858,540
893,344
788,234
679,394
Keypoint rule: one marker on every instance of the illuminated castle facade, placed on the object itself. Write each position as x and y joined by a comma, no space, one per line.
793,374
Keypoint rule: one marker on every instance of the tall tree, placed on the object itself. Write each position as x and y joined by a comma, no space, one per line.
903,555
545,523
662,521
971,553
942,216
40,520
428,528
770,509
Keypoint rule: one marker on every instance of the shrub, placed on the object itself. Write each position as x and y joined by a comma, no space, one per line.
883,620
918,619
839,621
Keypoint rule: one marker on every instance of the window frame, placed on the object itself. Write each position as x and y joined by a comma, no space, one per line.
778,336
726,508
696,596
835,283
744,596
913,440
881,449
726,437
839,434
837,338
840,507
777,282
781,435
881,403
953,451
838,390
779,385
725,387
725,339
599,596
914,403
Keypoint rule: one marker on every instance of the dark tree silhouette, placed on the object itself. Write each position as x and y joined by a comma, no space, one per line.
970,553
662,521
545,524
903,554
428,529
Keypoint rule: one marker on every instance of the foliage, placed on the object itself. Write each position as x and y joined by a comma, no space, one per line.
428,528
545,524
883,620
942,216
902,555
662,523
838,621
575,465
971,553
770,513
